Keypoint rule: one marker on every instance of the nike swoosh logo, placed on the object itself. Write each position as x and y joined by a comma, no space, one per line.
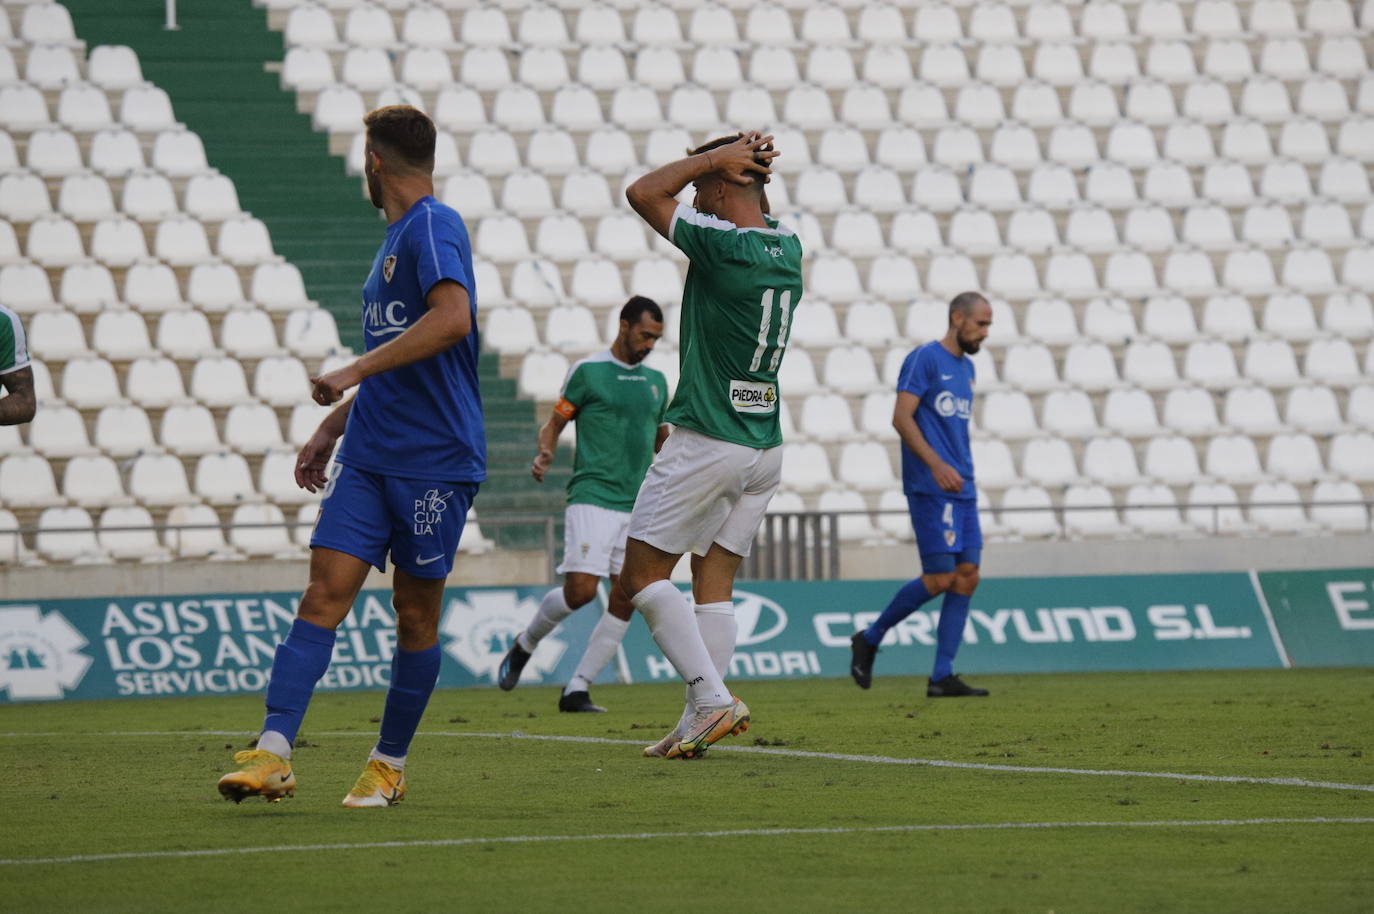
946,377
432,558
286,777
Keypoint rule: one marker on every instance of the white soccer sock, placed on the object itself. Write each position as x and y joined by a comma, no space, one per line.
716,621
674,628
552,610
275,743
606,637
395,761
717,624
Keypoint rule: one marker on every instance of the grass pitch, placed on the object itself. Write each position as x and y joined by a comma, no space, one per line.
496,823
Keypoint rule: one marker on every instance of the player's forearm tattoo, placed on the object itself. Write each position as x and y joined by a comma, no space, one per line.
19,406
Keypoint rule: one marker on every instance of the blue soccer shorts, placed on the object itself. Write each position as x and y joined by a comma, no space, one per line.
418,521
947,531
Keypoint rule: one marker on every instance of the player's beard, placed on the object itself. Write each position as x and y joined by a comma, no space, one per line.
969,347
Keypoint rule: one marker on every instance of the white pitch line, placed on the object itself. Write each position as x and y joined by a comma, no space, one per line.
651,835
787,753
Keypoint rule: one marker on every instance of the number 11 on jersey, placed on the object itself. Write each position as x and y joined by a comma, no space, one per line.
765,322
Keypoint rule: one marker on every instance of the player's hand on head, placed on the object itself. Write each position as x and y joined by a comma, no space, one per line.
740,161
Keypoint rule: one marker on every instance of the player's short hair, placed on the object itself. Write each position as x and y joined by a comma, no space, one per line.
725,141
402,132
637,307
963,302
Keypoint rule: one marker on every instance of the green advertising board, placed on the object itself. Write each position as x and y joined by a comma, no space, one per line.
1326,617
201,644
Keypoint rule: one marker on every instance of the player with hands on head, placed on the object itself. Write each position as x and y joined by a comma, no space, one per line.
618,404
707,491
934,405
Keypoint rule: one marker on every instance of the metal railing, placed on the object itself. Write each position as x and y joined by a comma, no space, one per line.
792,545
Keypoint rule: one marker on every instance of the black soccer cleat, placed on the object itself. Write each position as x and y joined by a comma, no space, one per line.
578,701
861,660
512,665
952,687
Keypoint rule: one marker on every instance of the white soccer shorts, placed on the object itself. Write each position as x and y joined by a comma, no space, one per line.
593,540
701,490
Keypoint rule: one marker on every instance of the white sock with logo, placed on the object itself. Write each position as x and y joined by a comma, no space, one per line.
716,621
674,628
606,637
552,610
395,761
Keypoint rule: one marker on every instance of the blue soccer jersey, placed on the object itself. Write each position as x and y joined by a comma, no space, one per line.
423,420
944,384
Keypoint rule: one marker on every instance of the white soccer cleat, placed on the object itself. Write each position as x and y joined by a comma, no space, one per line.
664,748
707,727
378,785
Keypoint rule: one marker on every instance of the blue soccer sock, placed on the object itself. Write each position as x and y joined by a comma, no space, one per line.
953,614
299,663
413,675
905,602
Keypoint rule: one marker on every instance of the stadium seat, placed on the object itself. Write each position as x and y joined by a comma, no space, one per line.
67,535
127,533
826,417
84,108
805,467
148,197
1028,512
1172,460
188,429
1009,414
1111,461
56,336
1337,506
114,67
1152,509
1149,364
223,478
121,335
866,466
1089,511
1130,412
123,430
58,431
260,530
93,480
182,242
159,480
1214,508
1350,456
219,382
1275,506
1233,459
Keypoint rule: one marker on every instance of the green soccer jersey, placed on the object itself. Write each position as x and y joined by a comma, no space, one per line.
737,304
619,410
14,348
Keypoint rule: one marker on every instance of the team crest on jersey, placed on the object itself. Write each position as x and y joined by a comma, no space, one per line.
389,267
949,537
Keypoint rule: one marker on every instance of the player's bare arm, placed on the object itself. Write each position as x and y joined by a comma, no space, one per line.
548,438
654,196
19,405
447,322
905,424
661,436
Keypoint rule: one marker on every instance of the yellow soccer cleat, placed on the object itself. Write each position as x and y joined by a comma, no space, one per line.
709,726
378,785
260,774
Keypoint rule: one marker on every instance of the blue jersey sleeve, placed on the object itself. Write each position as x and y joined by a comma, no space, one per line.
914,377
438,246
